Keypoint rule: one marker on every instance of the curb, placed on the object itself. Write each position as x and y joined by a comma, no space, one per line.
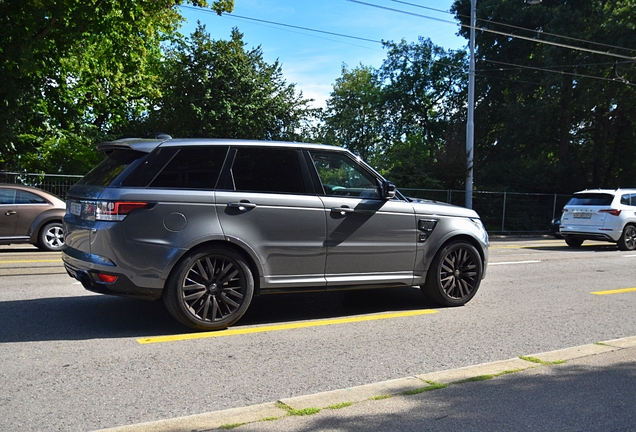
414,384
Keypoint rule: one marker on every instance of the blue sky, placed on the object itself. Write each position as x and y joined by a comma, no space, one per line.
312,60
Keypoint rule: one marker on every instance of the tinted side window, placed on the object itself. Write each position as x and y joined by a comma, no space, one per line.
195,167
341,176
593,199
625,199
258,169
111,167
29,198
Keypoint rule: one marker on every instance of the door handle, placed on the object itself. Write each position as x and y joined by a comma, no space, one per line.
242,206
342,210
9,213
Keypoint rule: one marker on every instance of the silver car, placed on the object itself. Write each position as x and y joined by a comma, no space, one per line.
206,224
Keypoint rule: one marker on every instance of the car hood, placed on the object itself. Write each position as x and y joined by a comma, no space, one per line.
442,209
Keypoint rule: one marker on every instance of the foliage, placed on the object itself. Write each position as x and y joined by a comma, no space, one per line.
220,89
552,118
405,116
76,69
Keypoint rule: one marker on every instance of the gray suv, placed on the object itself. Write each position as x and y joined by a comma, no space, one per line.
206,224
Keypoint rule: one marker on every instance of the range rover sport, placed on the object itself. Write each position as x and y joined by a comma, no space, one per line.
206,224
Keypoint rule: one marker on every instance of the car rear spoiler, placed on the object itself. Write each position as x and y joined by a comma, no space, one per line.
136,144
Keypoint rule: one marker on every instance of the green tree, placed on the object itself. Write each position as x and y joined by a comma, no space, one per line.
220,89
73,70
554,118
353,117
424,99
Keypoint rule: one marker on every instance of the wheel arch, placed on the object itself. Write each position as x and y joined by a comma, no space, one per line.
250,260
453,237
41,221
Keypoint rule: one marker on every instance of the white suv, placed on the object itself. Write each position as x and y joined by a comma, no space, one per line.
601,214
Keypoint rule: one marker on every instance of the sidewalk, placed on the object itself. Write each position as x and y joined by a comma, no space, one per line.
589,387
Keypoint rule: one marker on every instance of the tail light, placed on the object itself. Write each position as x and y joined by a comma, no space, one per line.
613,212
117,210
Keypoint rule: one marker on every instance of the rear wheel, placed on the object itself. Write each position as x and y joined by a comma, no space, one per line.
454,275
51,237
574,242
627,242
210,289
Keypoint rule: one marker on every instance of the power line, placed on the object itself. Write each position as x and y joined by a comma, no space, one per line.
496,31
542,33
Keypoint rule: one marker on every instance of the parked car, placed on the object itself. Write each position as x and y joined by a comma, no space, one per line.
31,215
555,225
207,224
601,214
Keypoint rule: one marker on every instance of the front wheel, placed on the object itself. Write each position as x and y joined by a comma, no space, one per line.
51,237
455,274
210,289
627,242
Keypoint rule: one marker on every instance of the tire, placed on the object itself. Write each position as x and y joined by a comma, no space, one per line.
455,275
51,237
627,242
210,289
573,242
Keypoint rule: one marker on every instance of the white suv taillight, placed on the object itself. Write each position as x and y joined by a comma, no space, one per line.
613,212
116,210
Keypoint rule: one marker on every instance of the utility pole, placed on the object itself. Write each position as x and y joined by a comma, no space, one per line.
470,124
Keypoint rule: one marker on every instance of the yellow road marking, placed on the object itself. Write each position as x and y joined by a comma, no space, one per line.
263,329
30,261
616,291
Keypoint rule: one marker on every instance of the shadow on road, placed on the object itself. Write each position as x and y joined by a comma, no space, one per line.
98,316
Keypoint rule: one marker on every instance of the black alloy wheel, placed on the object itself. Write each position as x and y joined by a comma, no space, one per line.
210,289
627,242
455,275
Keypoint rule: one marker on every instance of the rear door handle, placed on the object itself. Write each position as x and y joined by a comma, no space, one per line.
10,212
242,206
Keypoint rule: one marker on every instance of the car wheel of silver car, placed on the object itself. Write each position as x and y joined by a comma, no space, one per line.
627,242
454,275
210,289
51,237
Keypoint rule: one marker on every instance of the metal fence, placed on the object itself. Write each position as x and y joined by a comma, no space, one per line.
501,212
52,183
504,212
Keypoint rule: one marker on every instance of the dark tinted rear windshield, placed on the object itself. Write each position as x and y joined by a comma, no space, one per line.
111,167
592,199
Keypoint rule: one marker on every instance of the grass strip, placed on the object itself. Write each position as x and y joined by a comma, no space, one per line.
541,362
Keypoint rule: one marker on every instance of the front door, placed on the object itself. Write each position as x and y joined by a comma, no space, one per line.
370,240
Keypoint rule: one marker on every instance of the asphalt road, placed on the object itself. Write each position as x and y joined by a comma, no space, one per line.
72,360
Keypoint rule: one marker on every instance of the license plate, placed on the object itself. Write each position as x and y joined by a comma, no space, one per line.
76,208
582,215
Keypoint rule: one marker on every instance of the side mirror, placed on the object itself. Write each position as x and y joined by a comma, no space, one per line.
388,190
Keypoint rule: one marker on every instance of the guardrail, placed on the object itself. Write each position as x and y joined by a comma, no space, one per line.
501,212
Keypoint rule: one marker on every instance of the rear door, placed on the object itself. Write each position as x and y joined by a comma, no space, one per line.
266,203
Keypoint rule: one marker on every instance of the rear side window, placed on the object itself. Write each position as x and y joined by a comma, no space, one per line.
195,167
29,198
110,168
258,169
629,199
591,199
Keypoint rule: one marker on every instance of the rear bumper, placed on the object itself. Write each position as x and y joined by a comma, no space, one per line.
123,286
610,236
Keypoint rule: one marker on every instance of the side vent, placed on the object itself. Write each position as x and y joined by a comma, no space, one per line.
426,227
